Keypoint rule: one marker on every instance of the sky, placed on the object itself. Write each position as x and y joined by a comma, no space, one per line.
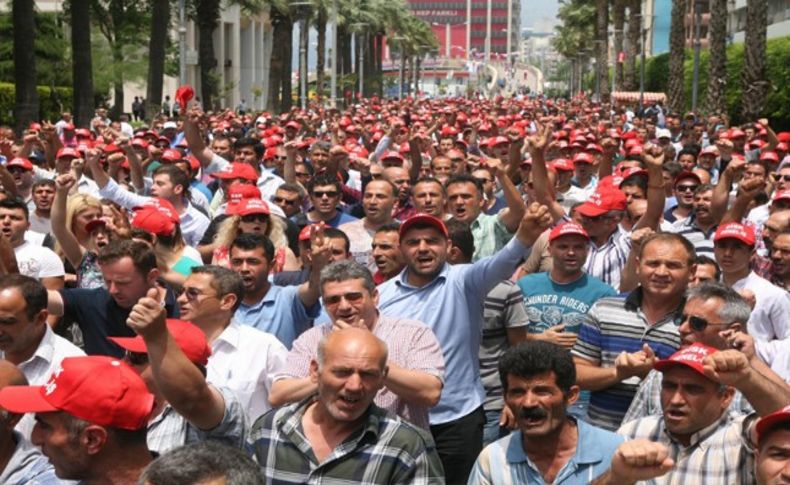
532,10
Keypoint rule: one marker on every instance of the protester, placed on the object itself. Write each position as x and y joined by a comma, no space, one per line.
202,462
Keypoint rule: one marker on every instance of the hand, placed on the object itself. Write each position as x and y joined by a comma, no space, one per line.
341,324
538,141
749,296
64,183
725,147
638,237
30,138
320,250
763,122
92,157
639,460
536,220
740,341
506,419
116,159
494,165
750,188
557,335
634,364
653,156
728,367
736,165
609,147
148,316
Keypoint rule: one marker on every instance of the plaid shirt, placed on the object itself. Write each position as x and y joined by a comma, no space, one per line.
384,450
721,453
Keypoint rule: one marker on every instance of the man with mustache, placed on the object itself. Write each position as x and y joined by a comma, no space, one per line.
549,446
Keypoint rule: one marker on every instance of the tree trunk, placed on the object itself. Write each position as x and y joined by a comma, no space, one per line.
379,63
82,65
320,58
755,85
303,71
618,19
345,49
160,22
717,67
277,61
26,107
207,21
634,34
117,80
677,48
371,76
602,48
285,73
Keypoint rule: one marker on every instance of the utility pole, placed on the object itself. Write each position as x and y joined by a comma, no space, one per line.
642,67
333,58
697,42
182,43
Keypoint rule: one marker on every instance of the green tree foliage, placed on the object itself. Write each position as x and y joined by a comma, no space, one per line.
51,46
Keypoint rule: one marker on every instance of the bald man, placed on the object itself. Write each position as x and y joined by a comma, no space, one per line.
349,370
401,179
24,463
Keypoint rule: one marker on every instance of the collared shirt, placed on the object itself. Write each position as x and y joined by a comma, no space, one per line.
719,453
385,449
244,360
606,262
411,345
490,235
361,243
701,239
647,401
28,466
617,325
38,368
193,222
280,313
452,305
401,212
504,461
768,323
267,181
170,430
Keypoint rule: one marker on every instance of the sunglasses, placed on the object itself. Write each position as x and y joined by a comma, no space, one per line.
785,178
352,297
302,174
484,181
249,218
329,193
284,201
698,324
193,294
686,188
135,358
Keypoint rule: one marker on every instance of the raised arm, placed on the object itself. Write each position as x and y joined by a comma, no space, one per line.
544,191
177,378
721,192
135,164
511,216
68,242
320,250
194,137
747,190
654,158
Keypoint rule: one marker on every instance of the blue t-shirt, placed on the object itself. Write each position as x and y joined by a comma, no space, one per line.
549,303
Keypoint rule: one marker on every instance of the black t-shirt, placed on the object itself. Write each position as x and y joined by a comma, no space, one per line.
99,317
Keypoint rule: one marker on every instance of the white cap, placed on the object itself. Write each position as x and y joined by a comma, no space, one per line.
663,133
170,124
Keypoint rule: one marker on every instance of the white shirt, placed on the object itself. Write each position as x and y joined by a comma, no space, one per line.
244,360
267,181
39,367
38,261
769,322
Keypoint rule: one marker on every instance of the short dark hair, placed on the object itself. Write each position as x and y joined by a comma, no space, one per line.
687,150
176,175
14,204
335,233
250,241
671,237
143,257
200,462
323,179
431,180
345,270
461,236
635,180
34,293
249,142
702,259
292,188
393,226
536,357
465,178
224,281
42,183
703,188
673,168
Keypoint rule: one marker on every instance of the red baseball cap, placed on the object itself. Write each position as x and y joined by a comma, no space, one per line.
685,174
68,152
91,225
151,220
98,389
562,164
583,157
782,195
772,156
737,133
139,142
392,154
735,230
594,147
111,148
238,191
426,220
304,234
171,155
497,140
603,200
189,338
293,124
20,162
690,356
632,172
710,150
567,229
783,137
236,170
246,207
770,421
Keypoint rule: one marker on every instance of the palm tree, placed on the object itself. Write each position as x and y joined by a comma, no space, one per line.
207,20
717,67
633,36
82,65
26,98
753,81
321,18
160,23
573,34
677,49
602,47
279,95
618,21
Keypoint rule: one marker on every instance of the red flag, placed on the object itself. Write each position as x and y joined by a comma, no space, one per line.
183,95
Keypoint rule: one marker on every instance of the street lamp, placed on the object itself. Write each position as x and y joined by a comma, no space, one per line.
333,58
359,27
297,5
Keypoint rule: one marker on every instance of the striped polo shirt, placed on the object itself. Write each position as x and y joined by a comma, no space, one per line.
615,325
701,240
606,262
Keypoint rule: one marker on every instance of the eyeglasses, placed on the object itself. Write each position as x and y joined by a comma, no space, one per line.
302,174
686,188
16,170
351,297
329,193
135,358
194,294
284,201
698,324
250,218
785,177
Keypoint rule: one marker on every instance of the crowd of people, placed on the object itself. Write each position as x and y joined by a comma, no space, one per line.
477,291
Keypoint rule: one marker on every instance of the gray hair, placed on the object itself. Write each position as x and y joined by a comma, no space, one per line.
734,308
347,270
200,462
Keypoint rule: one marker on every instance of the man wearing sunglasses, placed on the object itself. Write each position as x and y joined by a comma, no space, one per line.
700,225
325,193
714,315
416,365
685,186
